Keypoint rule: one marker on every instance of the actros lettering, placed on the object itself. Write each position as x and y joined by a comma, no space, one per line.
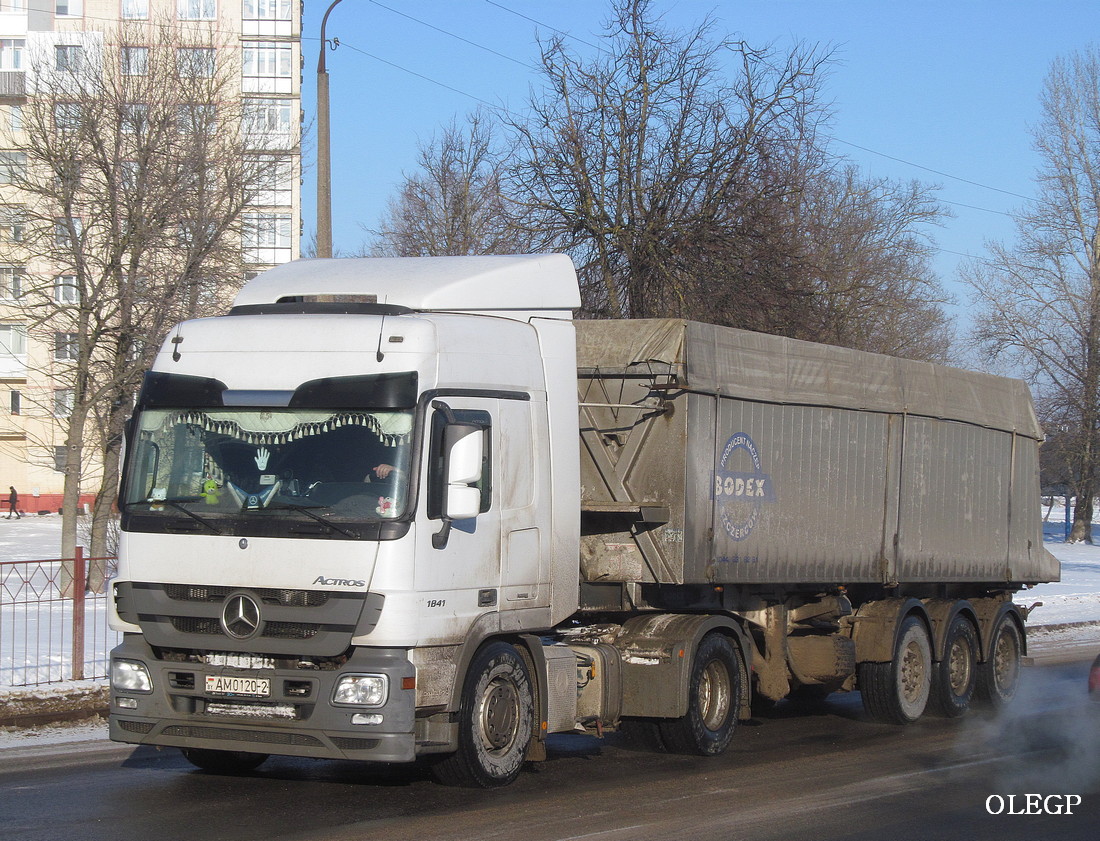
1032,804
338,582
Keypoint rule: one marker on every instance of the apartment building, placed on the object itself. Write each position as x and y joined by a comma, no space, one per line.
261,38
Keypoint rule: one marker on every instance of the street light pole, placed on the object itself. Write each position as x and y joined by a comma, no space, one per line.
324,161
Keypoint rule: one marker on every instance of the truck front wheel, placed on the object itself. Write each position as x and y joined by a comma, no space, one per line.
714,698
897,692
496,721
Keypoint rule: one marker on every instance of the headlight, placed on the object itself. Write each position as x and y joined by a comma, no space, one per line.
130,676
361,690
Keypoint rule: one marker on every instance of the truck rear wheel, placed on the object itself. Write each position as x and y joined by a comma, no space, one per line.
496,721
955,676
223,761
897,692
999,675
714,698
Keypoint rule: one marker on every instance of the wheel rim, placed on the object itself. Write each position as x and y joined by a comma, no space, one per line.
913,676
499,714
960,666
715,695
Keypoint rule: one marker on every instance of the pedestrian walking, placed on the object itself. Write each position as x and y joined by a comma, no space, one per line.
13,503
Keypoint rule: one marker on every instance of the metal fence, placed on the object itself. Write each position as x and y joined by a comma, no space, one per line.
51,628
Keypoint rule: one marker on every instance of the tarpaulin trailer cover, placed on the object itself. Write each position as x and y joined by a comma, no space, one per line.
717,455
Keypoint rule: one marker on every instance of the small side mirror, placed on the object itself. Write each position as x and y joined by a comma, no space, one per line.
464,445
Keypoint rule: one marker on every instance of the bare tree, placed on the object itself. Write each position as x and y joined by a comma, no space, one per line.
646,163
454,204
135,179
1039,299
867,253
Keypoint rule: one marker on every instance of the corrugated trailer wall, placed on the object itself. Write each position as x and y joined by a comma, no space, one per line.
776,461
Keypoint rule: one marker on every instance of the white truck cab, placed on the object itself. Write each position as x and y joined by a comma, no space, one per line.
337,489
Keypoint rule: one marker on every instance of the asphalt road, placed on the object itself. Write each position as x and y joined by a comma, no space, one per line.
821,773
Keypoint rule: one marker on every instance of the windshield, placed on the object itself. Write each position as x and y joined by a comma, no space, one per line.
215,464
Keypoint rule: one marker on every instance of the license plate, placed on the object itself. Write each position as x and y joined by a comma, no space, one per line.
255,687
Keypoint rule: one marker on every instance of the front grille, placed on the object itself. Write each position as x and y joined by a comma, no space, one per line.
287,598
135,726
233,735
348,743
272,630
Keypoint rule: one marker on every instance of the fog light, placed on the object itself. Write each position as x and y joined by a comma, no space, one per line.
130,676
366,718
361,690
126,703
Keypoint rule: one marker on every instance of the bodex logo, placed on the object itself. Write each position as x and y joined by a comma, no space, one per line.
741,487
1032,804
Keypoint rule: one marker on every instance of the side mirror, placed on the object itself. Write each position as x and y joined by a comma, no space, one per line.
465,452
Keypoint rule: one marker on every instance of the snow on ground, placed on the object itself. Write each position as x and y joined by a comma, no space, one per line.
1069,607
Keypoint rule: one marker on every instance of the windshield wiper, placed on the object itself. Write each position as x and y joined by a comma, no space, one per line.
308,511
177,504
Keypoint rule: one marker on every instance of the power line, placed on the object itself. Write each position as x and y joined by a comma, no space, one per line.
454,35
417,75
934,171
561,32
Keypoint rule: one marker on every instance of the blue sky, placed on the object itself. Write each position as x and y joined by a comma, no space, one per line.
944,92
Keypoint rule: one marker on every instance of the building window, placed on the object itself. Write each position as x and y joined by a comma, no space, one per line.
15,402
13,339
63,402
196,120
65,289
268,122
197,9
266,66
68,58
135,118
69,8
67,231
267,237
13,118
266,10
272,183
67,116
13,222
65,347
134,61
13,167
11,281
135,9
11,53
195,62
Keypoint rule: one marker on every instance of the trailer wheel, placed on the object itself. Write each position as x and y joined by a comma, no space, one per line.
999,675
897,692
714,698
955,676
496,721
223,761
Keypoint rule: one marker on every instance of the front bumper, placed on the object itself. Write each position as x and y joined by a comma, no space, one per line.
297,718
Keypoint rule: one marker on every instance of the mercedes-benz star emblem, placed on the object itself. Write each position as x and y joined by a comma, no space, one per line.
241,616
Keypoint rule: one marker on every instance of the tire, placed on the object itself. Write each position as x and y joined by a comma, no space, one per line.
999,675
714,700
897,692
956,675
496,721
223,761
